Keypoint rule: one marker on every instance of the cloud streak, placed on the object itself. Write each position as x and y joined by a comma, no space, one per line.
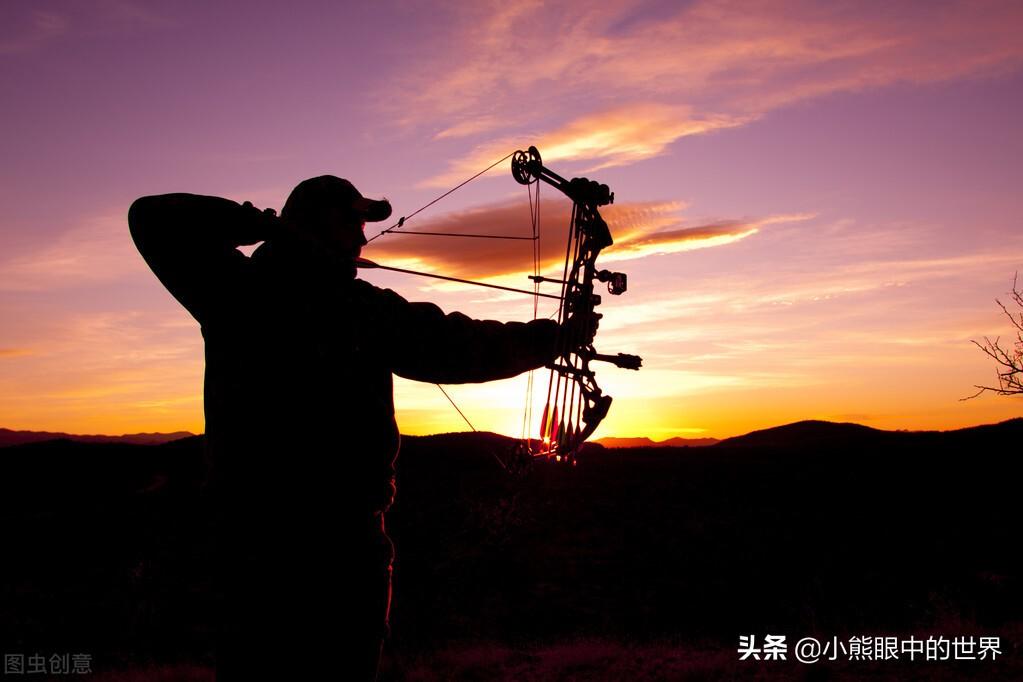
639,229
707,65
97,250
123,370
38,29
611,137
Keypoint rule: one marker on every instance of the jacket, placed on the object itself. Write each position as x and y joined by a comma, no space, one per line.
300,354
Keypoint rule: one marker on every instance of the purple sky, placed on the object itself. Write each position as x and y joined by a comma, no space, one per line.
858,168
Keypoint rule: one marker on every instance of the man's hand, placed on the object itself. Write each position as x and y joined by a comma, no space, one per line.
579,330
262,225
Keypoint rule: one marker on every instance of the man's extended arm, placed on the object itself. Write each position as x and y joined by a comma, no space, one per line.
190,242
421,343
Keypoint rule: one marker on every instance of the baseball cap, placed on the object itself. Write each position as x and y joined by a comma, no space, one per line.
312,198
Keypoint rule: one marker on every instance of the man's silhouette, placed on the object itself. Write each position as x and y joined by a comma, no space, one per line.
300,426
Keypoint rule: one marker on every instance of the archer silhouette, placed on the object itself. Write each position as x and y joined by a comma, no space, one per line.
300,428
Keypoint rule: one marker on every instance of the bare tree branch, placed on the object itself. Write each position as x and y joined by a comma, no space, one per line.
1008,358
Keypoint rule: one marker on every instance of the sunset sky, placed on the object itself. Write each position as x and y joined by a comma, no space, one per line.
817,203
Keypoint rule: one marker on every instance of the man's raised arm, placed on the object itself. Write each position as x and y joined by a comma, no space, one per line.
190,242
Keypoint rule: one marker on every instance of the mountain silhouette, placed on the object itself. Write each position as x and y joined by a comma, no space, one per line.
823,434
808,433
677,442
63,473
9,437
808,528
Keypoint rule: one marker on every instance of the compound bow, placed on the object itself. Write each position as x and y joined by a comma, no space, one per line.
575,404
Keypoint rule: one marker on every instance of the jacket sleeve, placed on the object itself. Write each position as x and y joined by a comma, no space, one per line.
421,343
190,242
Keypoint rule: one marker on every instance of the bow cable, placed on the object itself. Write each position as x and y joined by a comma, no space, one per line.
401,221
534,210
370,265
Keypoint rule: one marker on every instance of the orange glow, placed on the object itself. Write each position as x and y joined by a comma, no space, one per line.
612,137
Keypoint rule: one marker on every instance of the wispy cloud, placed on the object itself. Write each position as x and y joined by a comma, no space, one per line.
38,28
130,370
611,137
97,250
706,65
33,29
639,243
639,229
470,127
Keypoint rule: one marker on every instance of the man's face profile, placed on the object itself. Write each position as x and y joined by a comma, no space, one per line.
330,212
342,232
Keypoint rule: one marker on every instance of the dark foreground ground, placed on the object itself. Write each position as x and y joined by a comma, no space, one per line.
635,564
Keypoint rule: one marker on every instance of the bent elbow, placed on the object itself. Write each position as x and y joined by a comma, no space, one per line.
139,215
148,218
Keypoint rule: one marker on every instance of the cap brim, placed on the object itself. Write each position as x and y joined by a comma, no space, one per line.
373,211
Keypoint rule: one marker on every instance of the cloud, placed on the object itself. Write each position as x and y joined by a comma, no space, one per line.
883,275
111,371
639,243
39,28
14,352
698,66
477,257
612,137
469,127
97,250
639,229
